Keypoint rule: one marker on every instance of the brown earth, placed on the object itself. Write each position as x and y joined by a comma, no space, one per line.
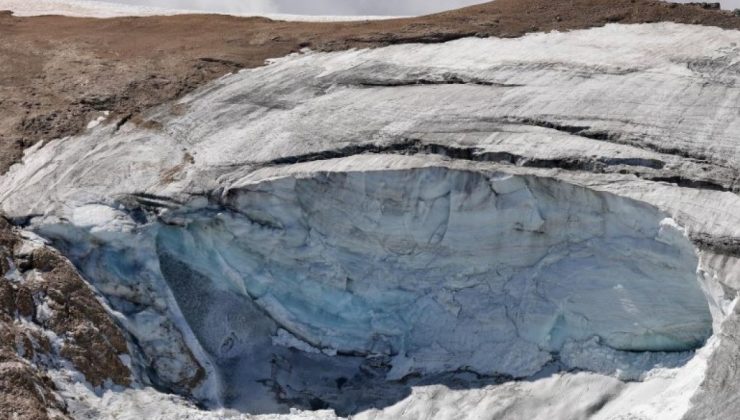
58,73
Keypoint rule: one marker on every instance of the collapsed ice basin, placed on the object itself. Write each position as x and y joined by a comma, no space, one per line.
443,270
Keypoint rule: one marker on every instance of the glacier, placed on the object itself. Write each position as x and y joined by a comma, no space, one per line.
381,232
441,270
403,273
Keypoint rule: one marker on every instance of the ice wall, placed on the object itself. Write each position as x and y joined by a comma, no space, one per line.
447,270
427,271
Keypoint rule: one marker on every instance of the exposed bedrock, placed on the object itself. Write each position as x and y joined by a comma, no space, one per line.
314,290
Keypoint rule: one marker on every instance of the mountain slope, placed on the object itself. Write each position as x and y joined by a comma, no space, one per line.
60,73
460,216
531,224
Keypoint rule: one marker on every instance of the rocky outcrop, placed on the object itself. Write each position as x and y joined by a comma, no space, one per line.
49,317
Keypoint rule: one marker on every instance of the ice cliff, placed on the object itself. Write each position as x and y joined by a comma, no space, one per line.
507,221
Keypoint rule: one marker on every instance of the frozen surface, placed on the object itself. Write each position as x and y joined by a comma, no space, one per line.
546,101
314,7
103,9
445,271
455,215
562,396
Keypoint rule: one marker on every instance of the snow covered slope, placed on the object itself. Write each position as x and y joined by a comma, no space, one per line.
103,9
500,225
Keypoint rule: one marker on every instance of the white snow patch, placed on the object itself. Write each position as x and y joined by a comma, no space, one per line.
43,312
101,9
84,403
96,122
13,274
101,218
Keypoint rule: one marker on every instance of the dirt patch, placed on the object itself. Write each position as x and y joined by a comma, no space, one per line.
58,73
